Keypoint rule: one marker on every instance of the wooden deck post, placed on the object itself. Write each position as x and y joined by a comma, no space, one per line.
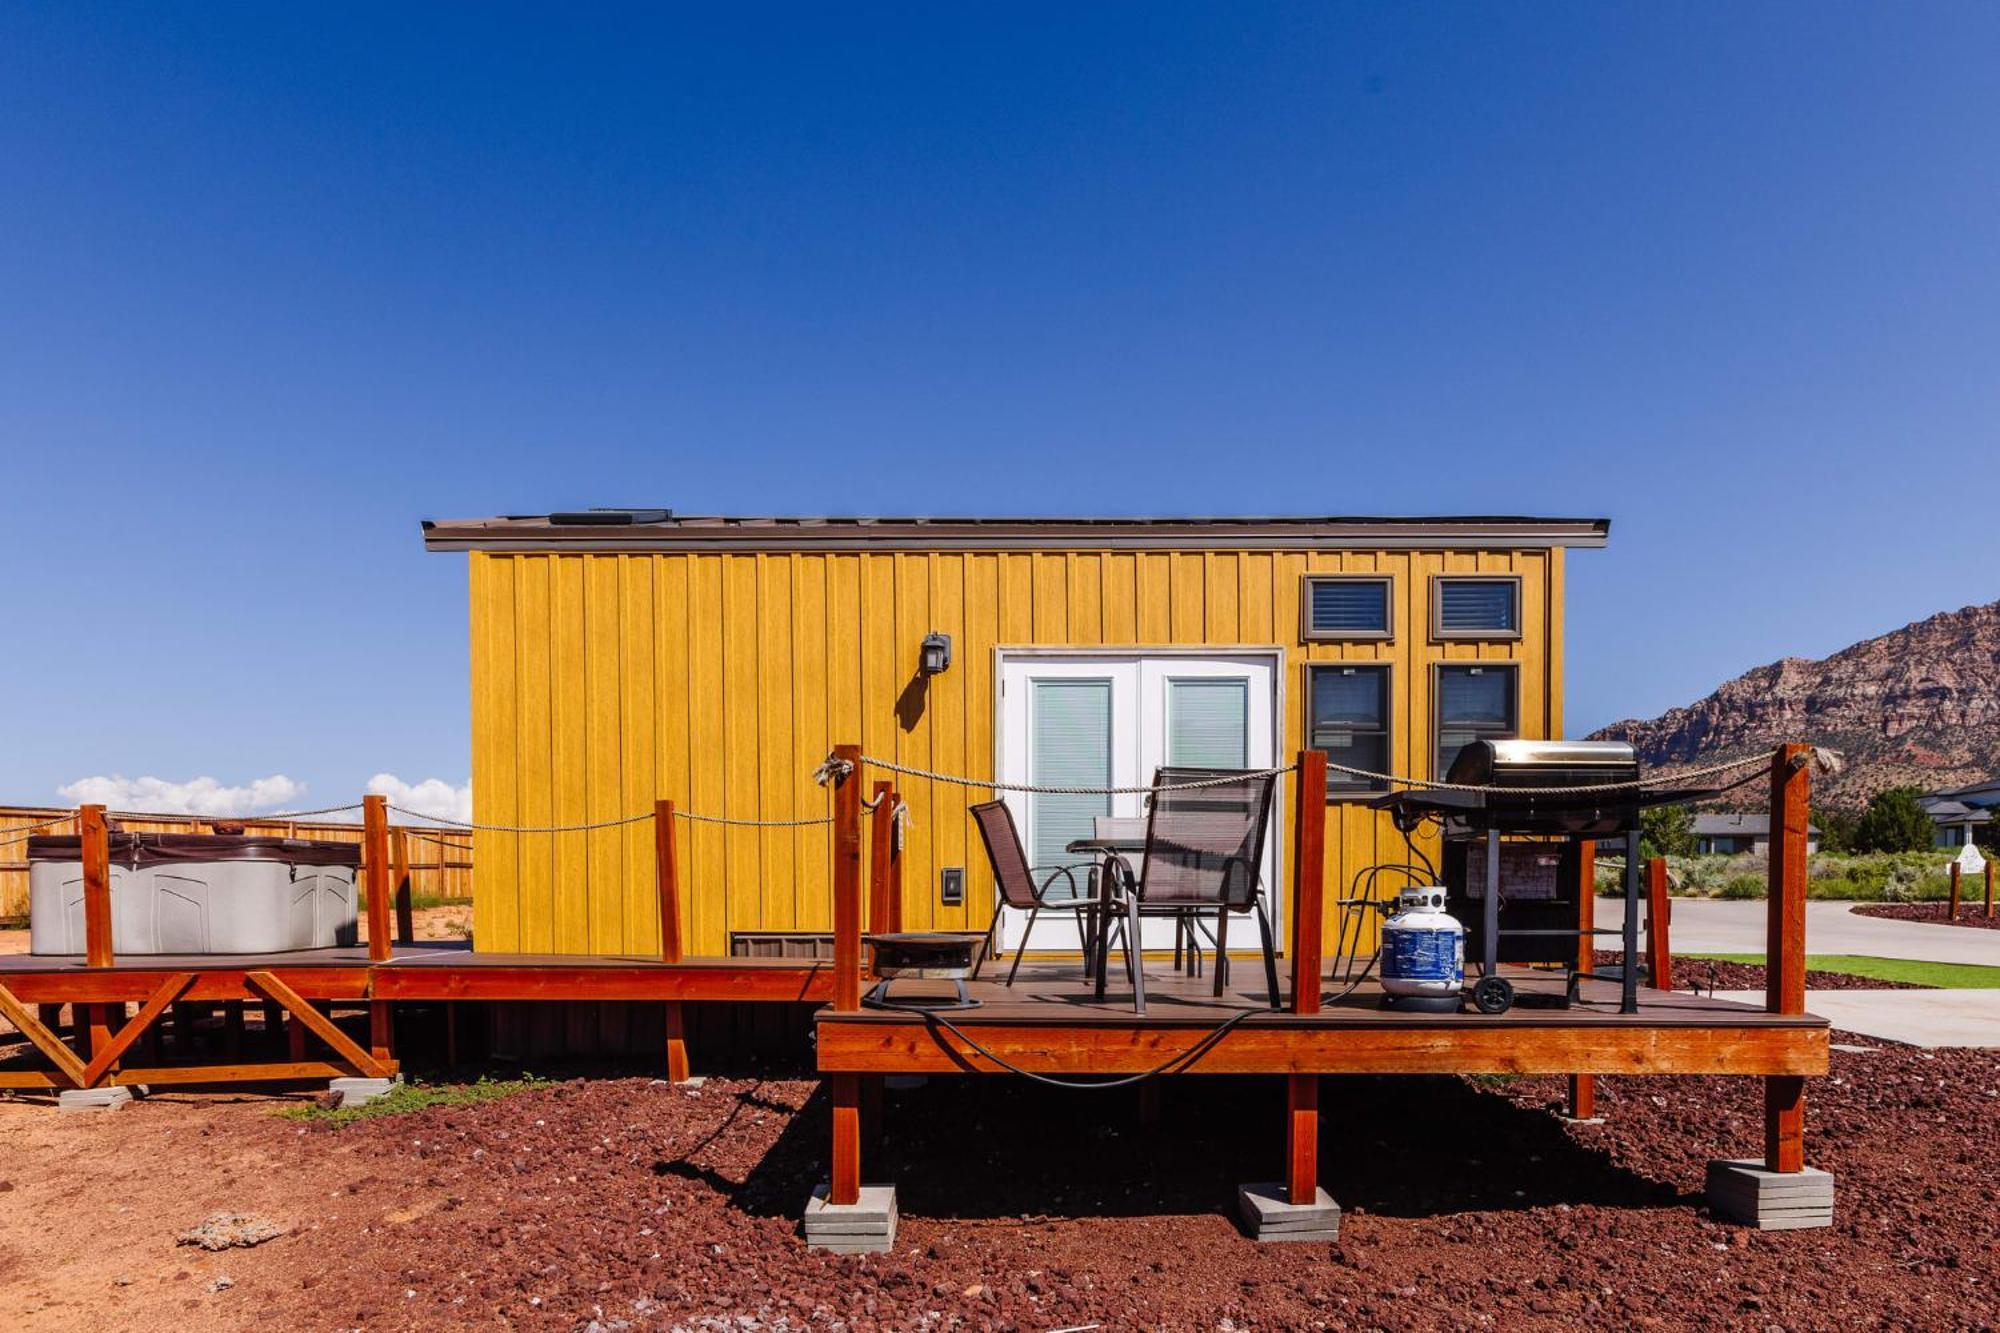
1308,881
1951,912
667,882
845,1184
1659,920
881,837
1302,1107
1785,947
1583,1087
96,856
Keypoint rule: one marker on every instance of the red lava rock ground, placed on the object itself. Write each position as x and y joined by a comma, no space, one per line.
1973,914
620,1202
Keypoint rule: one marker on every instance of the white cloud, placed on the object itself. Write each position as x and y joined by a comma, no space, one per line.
433,796
197,796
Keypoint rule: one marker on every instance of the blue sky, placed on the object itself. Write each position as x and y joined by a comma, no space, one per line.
278,281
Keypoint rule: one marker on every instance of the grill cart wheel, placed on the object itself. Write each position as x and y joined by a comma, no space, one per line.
1493,995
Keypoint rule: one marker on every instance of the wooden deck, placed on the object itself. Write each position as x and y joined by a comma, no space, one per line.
1050,1022
446,970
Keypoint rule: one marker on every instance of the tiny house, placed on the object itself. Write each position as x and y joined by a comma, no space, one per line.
621,656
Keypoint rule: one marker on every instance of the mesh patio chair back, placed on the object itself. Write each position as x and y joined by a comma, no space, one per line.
1205,846
1004,850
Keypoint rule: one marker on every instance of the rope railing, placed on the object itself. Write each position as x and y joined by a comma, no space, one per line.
835,767
618,822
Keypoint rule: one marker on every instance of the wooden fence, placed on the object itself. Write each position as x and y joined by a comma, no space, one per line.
440,859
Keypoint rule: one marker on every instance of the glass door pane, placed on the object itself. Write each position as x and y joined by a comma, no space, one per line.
1208,722
1069,746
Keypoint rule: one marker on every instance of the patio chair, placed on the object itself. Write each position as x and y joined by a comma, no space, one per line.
1204,852
1026,888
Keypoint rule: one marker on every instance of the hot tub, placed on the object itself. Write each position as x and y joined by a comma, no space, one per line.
183,893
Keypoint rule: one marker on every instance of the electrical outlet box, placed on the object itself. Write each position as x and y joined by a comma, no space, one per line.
951,886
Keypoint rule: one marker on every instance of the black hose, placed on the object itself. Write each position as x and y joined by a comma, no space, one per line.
1187,1057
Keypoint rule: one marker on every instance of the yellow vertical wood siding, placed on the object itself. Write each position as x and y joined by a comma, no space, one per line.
603,681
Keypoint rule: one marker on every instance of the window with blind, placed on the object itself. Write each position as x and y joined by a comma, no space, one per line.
1476,608
1350,721
1344,606
1473,703
1208,722
1070,746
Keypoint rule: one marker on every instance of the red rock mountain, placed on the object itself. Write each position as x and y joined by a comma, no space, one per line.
1920,705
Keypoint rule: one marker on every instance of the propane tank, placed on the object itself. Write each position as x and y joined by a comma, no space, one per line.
1423,952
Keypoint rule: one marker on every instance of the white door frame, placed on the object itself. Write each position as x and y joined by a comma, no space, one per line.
1111,655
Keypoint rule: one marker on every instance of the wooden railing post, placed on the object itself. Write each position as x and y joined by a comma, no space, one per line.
95,852
895,921
1785,947
666,878
375,862
1308,880
1951,912
881,837
847,881
375,867
406,918
1659,920
1583,1087
667,882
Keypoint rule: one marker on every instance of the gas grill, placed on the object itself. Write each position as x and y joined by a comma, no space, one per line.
1554,795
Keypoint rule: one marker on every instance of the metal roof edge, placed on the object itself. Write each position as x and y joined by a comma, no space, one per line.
1514,533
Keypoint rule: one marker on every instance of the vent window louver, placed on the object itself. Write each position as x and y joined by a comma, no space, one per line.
1478,606
1347,608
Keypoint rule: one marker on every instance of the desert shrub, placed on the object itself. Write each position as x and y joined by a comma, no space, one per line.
1738,888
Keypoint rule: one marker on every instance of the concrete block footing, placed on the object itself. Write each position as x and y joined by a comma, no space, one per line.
349,1092
93,1099
1743,1191
1269,1214
867,1226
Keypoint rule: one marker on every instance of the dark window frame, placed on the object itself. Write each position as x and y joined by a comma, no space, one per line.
1341,786
1311,635
1440,634
1439,762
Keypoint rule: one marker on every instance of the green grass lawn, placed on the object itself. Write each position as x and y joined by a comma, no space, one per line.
1946,976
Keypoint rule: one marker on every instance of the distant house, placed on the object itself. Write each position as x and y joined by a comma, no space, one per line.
1729,835
1962,814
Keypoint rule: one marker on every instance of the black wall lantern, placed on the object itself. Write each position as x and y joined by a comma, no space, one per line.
935,656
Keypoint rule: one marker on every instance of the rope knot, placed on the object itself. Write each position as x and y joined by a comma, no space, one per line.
832,769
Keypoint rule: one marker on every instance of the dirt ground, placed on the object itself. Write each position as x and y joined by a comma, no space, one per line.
621,1202
1970,913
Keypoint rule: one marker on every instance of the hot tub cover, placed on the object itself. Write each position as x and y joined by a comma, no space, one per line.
145,849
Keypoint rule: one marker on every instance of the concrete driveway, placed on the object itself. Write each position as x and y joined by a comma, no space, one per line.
1712,925
1916,1017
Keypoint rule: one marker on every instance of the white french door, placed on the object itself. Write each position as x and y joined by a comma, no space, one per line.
1096,719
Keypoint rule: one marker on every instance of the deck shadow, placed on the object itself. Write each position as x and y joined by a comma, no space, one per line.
1407,1146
